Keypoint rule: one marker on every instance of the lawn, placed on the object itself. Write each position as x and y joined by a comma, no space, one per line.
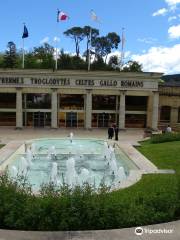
163,155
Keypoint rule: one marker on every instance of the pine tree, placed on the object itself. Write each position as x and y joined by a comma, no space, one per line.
10,57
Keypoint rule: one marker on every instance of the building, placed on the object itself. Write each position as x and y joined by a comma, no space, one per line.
169,102
31,98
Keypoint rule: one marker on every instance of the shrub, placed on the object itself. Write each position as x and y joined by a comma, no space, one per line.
83,208
166,137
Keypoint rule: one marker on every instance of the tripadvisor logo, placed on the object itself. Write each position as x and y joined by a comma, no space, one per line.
138,231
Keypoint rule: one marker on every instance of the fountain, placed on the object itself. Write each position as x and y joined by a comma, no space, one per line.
71,175
71,136
14,171
29,157
54,173
57,160
84,176
51,153
24,166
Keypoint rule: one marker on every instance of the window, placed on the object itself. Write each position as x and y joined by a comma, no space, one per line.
7,100
136,103
103,102
165,113
72,102
37,101
179,115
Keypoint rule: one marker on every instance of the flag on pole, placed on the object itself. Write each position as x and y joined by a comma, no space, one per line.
61,16
25,32
94,17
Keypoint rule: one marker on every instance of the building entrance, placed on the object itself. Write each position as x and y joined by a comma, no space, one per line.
37,119
71,119
102,120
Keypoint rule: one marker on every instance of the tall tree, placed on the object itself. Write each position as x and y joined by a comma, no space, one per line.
45,55
132,66
102,47
114,39
77,34
105,45
89,37
10,57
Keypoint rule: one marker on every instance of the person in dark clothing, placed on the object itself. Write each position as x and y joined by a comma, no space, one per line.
116,131
110,132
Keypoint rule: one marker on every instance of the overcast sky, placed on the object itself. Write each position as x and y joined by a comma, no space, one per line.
152,28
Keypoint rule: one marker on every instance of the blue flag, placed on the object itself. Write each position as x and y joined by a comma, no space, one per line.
25,32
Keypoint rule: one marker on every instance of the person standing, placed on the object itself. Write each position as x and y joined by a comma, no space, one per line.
116,131
110,132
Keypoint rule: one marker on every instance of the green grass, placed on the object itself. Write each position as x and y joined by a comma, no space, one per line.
163,155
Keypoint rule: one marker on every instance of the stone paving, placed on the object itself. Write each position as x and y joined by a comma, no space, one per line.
165,231
8,134
126,140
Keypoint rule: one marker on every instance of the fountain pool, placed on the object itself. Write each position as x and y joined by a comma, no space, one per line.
71,161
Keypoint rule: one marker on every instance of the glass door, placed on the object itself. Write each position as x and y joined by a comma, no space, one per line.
103,119
39,119
71,119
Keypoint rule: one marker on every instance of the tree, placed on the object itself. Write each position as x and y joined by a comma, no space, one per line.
113,60
77,34
132,66
113,39
10,57
44,55
102,47
105,45
32,61
94,34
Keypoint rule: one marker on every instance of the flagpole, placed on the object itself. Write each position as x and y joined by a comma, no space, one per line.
55,39
122,50
89,50
56,63
23,55
23,50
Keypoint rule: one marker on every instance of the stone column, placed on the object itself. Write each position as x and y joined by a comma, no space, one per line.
174,115
122,110
155,108
54,108
117,109
88,109
19,112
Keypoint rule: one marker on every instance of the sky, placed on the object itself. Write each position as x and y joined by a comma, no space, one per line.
152,28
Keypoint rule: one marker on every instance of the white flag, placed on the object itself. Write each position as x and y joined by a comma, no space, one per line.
94,17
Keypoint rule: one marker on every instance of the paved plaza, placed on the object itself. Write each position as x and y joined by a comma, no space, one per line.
8,134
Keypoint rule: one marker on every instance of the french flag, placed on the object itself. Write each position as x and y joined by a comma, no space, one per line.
61,16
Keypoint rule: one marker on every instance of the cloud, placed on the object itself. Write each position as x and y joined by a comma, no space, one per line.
172,18
172,2
44,40
160,59
148,40
56,39
160,12
174,32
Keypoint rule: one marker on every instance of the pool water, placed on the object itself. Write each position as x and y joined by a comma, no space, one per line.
72,162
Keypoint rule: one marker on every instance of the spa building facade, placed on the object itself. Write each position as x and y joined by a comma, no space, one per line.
79,99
